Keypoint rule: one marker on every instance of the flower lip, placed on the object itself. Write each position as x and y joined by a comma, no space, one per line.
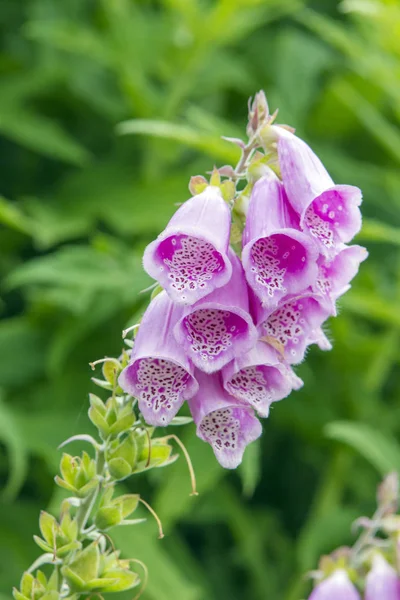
334,275
333,217
214,333
159,373
294,325
280,264
189,258
259,378
279,260
161,386
227,424
328,212
219,327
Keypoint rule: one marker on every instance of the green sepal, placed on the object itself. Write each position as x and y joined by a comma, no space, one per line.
119,468
48,525
51,595
119,580
27,581
59,551
160,455
115,511
62,483
18,596
121,458
110,371
107,517
53,582
99,421
123,423
42,544
83,568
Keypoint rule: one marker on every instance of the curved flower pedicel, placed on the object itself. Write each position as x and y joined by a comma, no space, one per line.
334,275
382,582
328,212
259,378
160,374
224,422
336,587
279,260
189,258
218,328
293,326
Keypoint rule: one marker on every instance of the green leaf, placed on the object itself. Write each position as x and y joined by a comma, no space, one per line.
12,217
375,231
183,134
380,449
43,136
12,436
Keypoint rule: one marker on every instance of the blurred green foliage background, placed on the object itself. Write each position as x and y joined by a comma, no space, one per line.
80,201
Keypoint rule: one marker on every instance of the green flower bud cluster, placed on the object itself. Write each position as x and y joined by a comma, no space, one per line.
76,544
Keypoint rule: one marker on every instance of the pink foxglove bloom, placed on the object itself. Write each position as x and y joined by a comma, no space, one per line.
189,258
334,275
219,327
279,260
259,377
336,587
293,326
382,582
160,374
329,213
227,424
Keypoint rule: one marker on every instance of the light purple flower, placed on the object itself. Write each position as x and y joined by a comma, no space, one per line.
218,328
279,260
336,587
382,582
189,258
160,374
328,212
224,422
293,326
334,275
260,377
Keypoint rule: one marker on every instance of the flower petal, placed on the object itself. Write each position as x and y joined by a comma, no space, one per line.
334,275
189,258
329,213
159,374
278,259
382,582
218,328
336,586
294,325
259,378
223,421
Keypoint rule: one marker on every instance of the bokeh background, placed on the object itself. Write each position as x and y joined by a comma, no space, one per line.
80,201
